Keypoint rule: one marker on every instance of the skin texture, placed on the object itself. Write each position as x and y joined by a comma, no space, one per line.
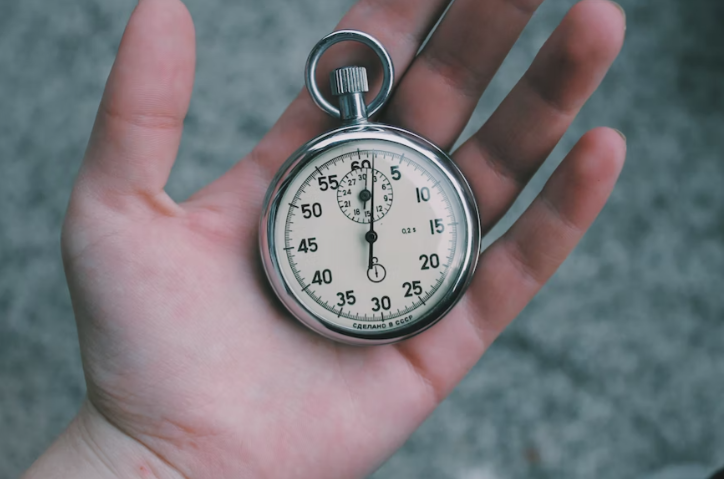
193,367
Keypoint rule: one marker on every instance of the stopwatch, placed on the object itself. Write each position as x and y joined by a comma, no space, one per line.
369,234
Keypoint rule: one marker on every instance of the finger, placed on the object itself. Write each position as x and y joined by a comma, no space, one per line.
442,87
518,264
139,123
502,156
400,25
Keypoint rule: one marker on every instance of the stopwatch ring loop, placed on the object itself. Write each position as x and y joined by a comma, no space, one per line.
343,36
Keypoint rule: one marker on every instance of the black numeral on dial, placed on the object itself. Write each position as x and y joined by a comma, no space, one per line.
395,173
312,210
322,277
365,164
423,194
308,245
326,183
382,303
413,289
346,298
432,261
436,226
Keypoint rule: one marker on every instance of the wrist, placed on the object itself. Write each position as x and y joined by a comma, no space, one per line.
92,447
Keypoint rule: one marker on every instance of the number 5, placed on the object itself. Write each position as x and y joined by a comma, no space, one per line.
395,172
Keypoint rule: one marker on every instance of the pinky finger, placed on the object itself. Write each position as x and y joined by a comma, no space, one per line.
516,266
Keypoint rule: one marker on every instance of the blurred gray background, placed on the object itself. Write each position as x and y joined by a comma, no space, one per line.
615,369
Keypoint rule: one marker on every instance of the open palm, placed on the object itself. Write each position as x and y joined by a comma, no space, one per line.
187,352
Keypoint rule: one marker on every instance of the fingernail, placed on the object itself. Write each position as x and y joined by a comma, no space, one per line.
623,12
622,135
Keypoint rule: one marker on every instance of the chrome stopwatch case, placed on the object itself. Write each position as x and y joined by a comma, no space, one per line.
370,234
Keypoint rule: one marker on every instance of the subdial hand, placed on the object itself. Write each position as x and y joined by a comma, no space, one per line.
365,195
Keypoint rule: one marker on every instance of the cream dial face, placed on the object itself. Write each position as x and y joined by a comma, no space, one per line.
370,236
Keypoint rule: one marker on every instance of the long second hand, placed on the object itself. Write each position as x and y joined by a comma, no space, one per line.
371,235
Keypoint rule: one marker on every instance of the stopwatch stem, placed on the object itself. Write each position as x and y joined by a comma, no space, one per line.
352,108
349,84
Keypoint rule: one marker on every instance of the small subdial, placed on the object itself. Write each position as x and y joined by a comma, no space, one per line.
359,192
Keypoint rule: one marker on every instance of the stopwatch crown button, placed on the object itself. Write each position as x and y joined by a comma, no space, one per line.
349,80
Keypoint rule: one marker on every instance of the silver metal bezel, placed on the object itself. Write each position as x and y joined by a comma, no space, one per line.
333,139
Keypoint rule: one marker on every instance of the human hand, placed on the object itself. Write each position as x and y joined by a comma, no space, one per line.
193,368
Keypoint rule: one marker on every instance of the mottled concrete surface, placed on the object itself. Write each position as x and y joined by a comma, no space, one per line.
615,369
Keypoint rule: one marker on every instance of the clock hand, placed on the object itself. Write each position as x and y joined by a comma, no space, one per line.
371,236
365,195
